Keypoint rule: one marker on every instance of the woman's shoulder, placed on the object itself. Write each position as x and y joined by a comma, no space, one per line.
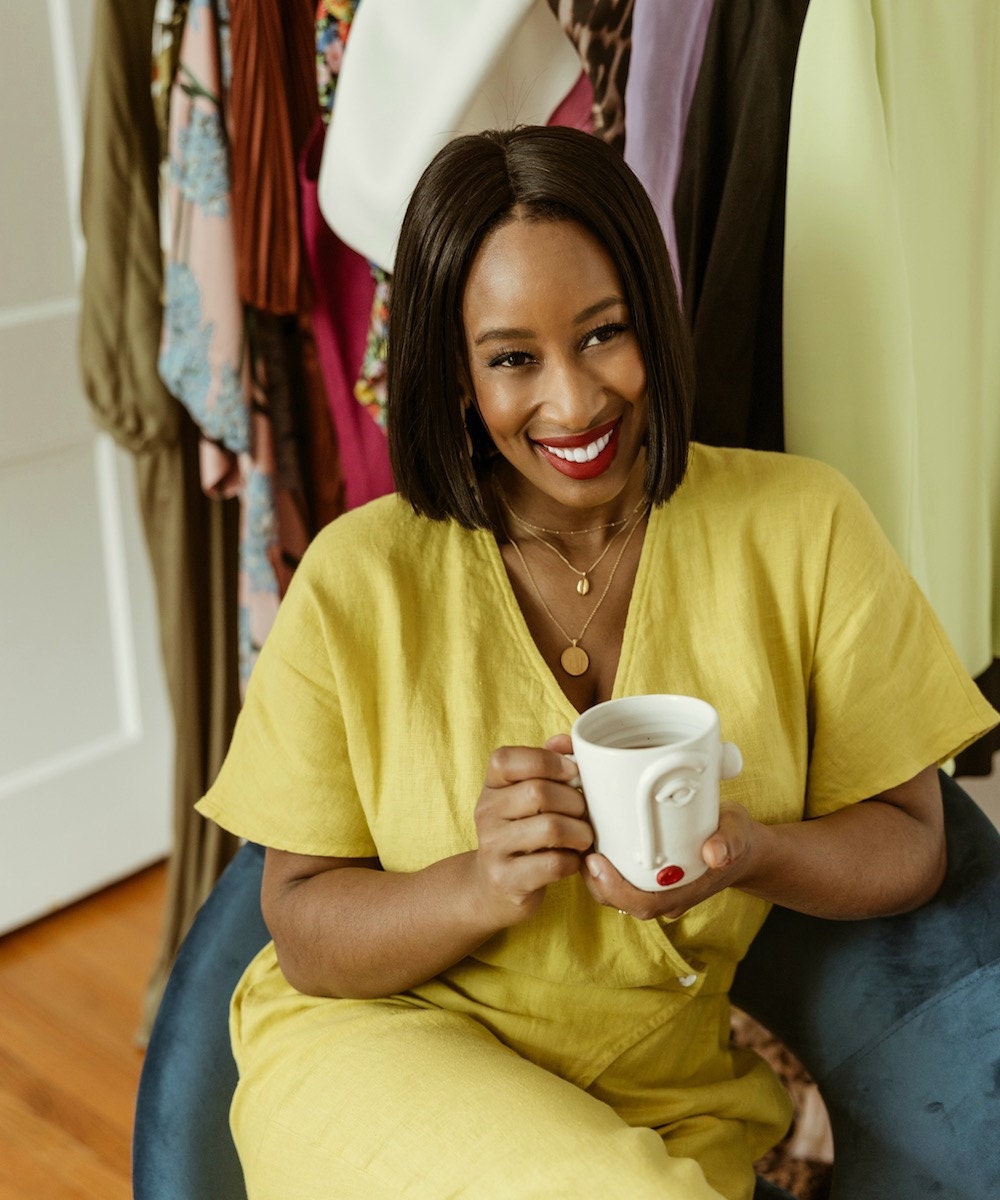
765,508
762,484
384,537
380,526
727,468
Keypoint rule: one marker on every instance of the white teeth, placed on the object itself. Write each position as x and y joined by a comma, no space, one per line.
580,454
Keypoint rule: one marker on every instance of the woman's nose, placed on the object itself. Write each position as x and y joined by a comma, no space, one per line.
572,397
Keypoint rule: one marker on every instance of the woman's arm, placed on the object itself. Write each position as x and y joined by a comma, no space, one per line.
884,855
344,927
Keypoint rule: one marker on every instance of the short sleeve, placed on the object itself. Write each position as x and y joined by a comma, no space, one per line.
287,780
888,695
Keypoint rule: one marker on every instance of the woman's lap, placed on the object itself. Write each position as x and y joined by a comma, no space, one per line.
388,1100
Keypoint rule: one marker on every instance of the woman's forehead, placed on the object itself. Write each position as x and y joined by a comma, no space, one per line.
538,262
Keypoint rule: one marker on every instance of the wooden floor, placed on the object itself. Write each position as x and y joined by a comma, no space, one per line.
71,990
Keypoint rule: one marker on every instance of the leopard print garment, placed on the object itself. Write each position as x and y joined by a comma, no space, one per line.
601,31
801,1161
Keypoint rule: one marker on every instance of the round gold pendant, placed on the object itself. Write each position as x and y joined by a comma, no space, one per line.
574,660
583,587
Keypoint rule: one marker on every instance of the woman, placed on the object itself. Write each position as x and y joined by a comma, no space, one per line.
462,998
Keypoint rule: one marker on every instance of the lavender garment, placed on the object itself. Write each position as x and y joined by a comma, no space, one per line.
668,39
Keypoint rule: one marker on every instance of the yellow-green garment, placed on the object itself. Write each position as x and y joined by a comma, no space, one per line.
891,339
399,661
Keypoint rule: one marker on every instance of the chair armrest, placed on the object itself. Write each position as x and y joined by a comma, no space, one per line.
181,1146
898,1021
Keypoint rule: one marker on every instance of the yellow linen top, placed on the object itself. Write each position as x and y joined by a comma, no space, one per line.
400,660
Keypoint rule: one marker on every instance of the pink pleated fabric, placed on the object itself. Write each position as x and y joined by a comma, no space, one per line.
343,289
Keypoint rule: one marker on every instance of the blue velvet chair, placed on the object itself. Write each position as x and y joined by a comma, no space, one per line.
897,1019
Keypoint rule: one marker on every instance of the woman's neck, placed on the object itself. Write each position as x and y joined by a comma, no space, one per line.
525,513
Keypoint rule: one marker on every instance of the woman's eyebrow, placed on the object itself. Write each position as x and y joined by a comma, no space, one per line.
505,334
592,309
501,335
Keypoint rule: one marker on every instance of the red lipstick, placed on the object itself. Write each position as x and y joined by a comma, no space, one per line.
592,467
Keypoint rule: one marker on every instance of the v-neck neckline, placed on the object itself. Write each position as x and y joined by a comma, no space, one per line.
522,633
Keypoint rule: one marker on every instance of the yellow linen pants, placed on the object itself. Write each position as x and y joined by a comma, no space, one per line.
385,1100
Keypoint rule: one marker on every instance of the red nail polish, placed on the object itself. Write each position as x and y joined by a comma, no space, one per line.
669,875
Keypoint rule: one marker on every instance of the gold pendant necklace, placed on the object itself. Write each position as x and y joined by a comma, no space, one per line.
583,581
574,659
563,532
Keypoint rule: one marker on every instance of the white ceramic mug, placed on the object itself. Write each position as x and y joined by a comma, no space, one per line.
650,768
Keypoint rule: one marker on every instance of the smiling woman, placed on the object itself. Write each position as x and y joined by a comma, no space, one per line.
558,381
540,192
463,997
563,387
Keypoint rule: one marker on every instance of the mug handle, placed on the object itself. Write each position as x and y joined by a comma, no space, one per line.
657,787
731,762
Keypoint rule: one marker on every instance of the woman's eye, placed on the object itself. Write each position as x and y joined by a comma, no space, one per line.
510,358
604,333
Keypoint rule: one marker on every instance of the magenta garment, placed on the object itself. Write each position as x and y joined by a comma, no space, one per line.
343,288
668,40
577,109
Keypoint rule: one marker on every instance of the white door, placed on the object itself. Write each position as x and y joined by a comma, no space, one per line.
85,730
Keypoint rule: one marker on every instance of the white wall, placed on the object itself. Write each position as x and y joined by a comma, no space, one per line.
85,731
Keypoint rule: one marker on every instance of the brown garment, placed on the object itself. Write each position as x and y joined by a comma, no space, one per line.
193,542
191,539
325,479
729,214
307,485
273,101
273,104
601,31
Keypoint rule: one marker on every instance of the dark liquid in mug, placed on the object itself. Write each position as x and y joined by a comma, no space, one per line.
639,743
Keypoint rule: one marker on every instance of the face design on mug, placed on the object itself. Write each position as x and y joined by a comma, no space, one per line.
650,769
556,371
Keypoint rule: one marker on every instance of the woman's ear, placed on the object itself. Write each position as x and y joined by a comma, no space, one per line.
477,437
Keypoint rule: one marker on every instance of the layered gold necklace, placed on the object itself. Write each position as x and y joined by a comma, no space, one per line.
535,531
574,659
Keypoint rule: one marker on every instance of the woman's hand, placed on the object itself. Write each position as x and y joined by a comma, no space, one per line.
728,853
532,829
877,857
345,927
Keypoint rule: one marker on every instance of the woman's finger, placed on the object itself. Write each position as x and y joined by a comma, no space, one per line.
610,888
542,831
561,743
514,764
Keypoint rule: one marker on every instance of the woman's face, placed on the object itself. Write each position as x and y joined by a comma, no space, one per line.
555,366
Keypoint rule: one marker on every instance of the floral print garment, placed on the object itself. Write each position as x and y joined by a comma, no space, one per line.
370,387
333,23
169,18
203,350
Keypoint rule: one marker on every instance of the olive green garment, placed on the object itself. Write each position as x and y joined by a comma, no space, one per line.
191,538
892,285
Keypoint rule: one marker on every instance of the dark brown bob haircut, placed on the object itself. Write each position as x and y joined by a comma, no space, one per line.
469,189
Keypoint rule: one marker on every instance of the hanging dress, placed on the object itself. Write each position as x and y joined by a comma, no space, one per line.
892,285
